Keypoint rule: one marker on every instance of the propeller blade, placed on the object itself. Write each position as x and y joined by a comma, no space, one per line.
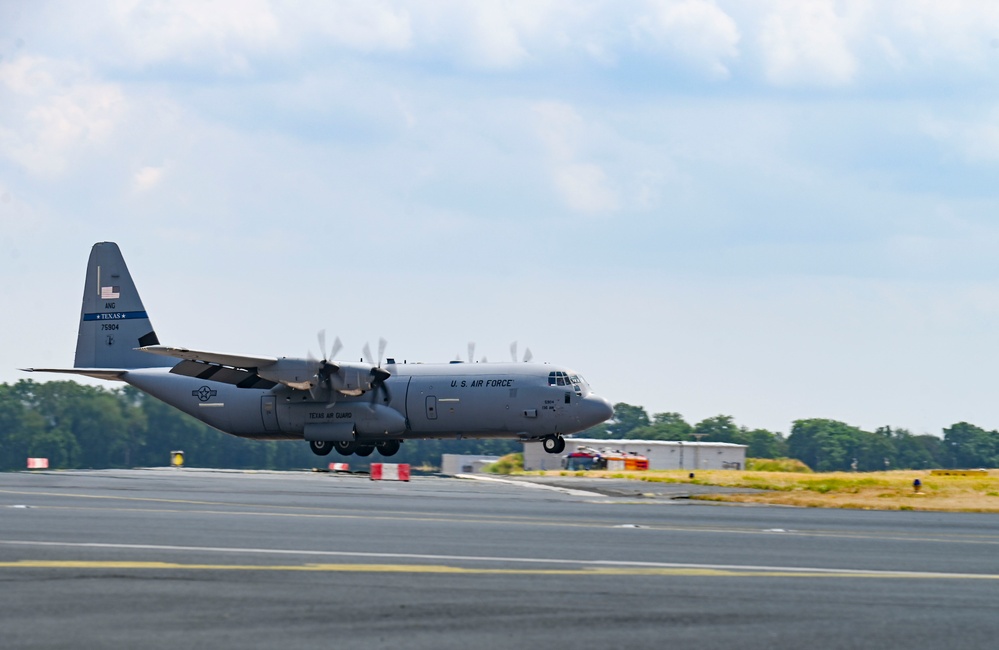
527,355
471,351
337,346
322,342
378,377
367,353
513,352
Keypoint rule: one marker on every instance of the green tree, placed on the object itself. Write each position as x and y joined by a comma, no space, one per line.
626,418
825,445
664,426
971,446
719,428
761,443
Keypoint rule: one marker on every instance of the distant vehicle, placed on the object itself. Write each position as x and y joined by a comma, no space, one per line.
584,458
588,458
353,407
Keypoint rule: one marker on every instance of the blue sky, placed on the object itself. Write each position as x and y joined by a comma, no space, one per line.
772,210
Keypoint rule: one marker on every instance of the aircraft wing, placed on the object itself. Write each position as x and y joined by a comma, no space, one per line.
236,369
233,360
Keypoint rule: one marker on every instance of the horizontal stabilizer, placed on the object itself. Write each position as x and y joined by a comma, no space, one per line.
234,360
113,374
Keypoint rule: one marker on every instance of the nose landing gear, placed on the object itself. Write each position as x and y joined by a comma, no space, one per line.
553,444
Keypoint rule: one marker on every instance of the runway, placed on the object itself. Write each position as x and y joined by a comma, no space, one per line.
199,558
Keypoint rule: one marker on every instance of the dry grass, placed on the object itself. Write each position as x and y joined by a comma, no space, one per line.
868,490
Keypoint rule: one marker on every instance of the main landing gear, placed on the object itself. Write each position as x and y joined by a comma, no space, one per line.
321,447
348,447
553,444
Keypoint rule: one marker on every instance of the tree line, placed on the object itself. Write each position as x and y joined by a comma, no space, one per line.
80,426
822,444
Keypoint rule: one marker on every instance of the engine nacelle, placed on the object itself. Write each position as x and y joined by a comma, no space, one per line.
352,378
294,373
345,378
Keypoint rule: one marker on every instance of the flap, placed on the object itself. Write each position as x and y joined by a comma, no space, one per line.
213,372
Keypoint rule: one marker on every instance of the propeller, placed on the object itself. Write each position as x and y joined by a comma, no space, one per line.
378,374
513,353
471,351
327,369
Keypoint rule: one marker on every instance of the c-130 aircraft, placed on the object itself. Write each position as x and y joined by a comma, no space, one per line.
353,407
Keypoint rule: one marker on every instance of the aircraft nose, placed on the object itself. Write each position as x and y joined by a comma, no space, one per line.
596,409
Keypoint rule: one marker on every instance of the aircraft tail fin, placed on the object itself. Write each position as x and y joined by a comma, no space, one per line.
113,322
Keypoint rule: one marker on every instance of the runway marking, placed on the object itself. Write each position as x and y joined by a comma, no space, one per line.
572,567
458,570
501,520
390,515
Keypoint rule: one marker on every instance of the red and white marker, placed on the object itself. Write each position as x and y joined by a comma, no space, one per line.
339,467
389,472
38,463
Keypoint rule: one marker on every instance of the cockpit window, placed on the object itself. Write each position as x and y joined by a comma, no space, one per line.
560,378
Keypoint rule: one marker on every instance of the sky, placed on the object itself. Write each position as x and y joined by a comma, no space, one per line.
773,210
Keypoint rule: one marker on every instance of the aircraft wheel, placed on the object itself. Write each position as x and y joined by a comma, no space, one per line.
560,445
388,448
345,448
550,444
364,450
320,447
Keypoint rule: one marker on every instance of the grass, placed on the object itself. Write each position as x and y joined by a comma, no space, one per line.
868,490
509,464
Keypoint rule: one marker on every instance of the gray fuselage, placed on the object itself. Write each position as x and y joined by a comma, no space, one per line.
459,400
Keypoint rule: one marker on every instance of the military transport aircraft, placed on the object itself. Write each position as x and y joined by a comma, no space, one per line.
353,407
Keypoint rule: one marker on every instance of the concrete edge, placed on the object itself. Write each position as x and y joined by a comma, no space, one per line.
508,481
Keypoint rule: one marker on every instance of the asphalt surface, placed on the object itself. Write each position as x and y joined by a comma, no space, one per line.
203,559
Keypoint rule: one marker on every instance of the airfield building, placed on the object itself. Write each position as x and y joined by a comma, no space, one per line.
452,464
662,454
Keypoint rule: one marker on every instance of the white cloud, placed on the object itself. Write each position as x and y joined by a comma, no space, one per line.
806,42
191,31
362,25
584,188
146,178
54,110
696,30
491,34
974,139
961,32
582,185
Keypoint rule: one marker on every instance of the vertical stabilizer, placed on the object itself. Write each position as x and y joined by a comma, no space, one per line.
113,321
